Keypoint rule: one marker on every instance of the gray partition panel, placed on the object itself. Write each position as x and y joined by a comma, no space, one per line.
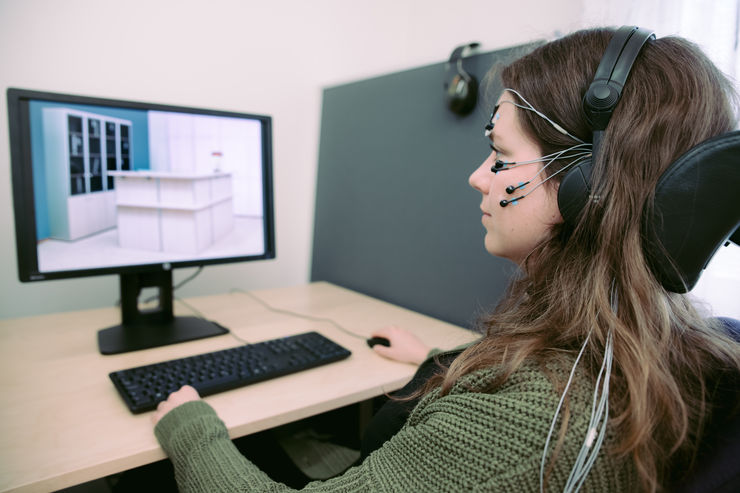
395,216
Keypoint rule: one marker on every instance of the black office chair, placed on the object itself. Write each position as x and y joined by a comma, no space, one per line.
697,210
717,466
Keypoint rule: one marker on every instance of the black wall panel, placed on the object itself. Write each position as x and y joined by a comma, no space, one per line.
395,217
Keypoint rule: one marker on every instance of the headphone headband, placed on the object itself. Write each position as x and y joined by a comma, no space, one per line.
599,102
457,53
604,92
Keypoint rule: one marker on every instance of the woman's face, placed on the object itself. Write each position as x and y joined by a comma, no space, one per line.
513,231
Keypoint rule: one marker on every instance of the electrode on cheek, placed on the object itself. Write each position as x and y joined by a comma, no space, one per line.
498,165
512,188
506,202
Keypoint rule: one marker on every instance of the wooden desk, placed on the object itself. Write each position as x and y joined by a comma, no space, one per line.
63,423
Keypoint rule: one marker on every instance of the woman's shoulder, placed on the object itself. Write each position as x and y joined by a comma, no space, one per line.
479,399
530,377
522,405
511,421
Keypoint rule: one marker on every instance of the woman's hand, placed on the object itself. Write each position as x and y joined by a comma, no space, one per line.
405,346
185,394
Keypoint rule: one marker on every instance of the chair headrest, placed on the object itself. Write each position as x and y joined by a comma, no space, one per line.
696,210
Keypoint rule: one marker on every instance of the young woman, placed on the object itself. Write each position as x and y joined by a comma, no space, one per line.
525,408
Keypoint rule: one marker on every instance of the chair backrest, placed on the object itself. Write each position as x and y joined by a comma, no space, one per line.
692,215
717,469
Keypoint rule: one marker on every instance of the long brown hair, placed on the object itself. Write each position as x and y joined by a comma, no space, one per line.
665,353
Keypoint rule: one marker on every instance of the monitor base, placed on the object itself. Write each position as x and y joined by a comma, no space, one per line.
124,338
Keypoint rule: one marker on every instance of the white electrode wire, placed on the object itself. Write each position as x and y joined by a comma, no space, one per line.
596,427
532,108
581,150
567,166
603,410
557,413
596,431
599,413
580,157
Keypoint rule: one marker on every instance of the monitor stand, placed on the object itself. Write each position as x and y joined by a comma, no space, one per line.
143,329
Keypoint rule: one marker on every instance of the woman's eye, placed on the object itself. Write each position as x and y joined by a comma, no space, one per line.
493,148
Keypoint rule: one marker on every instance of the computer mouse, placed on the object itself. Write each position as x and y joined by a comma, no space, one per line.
378,340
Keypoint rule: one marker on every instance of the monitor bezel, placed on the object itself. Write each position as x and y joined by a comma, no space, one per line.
23,192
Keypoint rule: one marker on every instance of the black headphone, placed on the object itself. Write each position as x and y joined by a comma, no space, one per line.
461,88
598,103
689,220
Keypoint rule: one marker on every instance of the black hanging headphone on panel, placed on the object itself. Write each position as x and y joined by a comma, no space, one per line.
461,88
598,103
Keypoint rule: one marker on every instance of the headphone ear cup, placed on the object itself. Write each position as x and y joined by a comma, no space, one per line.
461,91
461,88
574,192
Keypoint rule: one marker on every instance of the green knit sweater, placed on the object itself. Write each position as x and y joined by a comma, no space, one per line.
467,440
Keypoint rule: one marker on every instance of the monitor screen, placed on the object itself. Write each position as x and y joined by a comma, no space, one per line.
103,186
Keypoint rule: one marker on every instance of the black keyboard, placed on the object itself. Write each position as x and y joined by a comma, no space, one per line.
143,387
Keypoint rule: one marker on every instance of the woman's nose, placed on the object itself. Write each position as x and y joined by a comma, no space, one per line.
480,178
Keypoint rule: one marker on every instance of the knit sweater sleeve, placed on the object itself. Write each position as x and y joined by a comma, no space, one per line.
460,442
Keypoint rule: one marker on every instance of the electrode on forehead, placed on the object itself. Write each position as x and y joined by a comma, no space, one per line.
527,106
491,121
577,154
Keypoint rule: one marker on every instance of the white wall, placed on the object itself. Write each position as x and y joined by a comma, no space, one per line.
253,56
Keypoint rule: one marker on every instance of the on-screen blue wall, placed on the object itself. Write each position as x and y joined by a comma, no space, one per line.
139,143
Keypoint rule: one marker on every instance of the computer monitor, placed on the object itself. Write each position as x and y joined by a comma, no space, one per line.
102,186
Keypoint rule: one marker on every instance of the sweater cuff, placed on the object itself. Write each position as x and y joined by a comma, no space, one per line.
191,419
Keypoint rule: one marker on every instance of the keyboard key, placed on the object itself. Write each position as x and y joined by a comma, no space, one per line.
143,387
